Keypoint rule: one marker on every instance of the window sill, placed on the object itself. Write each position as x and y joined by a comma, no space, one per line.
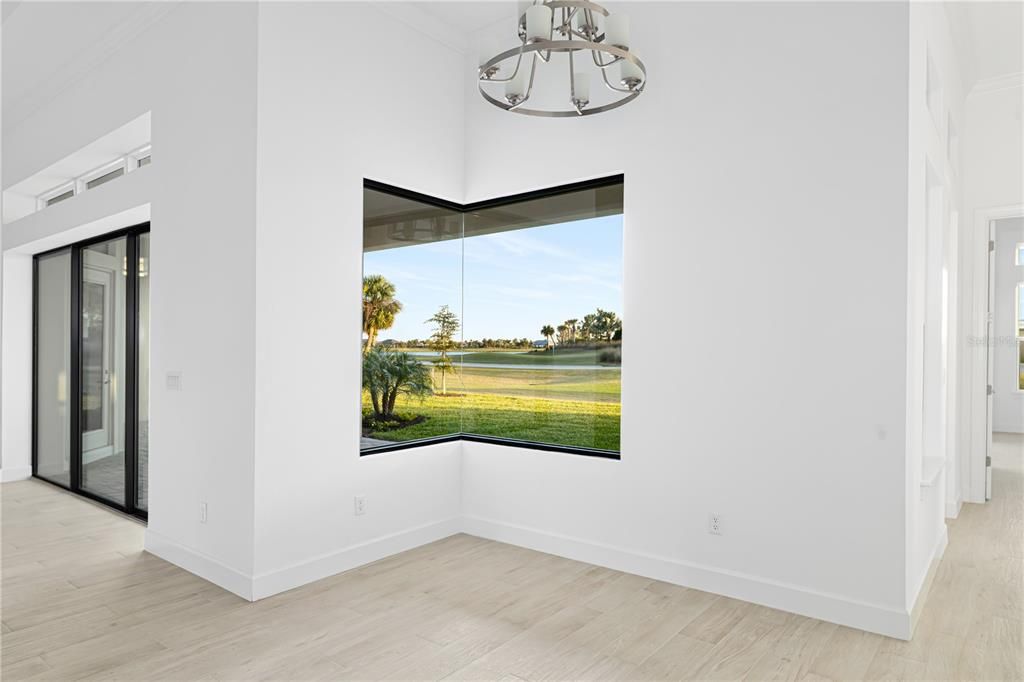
491,440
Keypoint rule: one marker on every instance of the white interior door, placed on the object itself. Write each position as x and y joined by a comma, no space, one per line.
99,295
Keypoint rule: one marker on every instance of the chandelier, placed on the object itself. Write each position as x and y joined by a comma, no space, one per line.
572,27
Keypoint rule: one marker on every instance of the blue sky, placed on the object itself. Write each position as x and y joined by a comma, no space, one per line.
515,282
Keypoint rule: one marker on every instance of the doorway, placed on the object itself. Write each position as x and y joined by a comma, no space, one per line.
91,368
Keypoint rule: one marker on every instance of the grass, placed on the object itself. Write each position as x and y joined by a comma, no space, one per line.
564,407
562,422
526,358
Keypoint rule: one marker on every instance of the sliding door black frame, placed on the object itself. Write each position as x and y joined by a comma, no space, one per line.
131,453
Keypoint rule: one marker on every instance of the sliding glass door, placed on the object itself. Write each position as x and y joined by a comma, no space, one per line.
89,329
102,343
52,404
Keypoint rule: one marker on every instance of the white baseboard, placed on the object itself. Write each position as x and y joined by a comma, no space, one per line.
793,598
10,474
332,563
206,567
953,508
925,586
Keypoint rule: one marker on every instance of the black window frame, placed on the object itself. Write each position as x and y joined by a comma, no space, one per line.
497,202
132,236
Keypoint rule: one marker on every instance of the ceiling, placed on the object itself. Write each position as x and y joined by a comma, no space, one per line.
992,36
467,17
49,46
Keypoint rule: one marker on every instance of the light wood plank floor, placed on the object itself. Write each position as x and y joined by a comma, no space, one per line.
81,600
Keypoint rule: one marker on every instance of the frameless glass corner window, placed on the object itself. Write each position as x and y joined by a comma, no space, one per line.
512,310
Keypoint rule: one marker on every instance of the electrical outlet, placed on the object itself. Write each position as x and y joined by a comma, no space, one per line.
202,512
360,505
715,523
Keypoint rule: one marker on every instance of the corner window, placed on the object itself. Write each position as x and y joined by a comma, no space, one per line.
499,321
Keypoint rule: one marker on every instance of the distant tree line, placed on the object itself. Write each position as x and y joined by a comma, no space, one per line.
380,308
601,326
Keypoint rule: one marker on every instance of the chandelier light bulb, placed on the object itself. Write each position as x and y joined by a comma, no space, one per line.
515,88
616,30
630,74
538,23
581,87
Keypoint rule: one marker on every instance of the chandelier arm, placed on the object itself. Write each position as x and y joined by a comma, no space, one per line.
515,72
540,46
599,64
529,87
604,75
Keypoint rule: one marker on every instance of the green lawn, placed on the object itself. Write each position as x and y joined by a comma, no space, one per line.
557,357
562,422
565,407
601,385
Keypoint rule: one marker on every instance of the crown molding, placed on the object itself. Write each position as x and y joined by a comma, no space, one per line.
1007,81
74,70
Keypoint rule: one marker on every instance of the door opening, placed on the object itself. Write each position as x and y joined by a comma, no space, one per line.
91,355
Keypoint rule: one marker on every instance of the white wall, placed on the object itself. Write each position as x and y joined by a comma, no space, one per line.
935,107
194,67
16,441
767,163
323,127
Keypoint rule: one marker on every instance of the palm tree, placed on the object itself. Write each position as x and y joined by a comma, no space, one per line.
571,324
563,333
388,374
548,331
379,307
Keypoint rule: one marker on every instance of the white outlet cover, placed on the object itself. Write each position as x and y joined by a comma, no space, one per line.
174,381
359,505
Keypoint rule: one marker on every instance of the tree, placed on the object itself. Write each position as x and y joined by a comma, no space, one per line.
587,327
563,334
548,331
379,307
388,374
446,324
573,329
606,324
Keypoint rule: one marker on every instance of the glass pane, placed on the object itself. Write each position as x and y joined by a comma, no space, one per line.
142,497
144,161
105,178
412,310
515,309
1020,364
53,365
60,197
103,342
543,288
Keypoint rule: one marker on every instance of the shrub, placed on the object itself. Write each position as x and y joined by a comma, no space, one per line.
388,374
